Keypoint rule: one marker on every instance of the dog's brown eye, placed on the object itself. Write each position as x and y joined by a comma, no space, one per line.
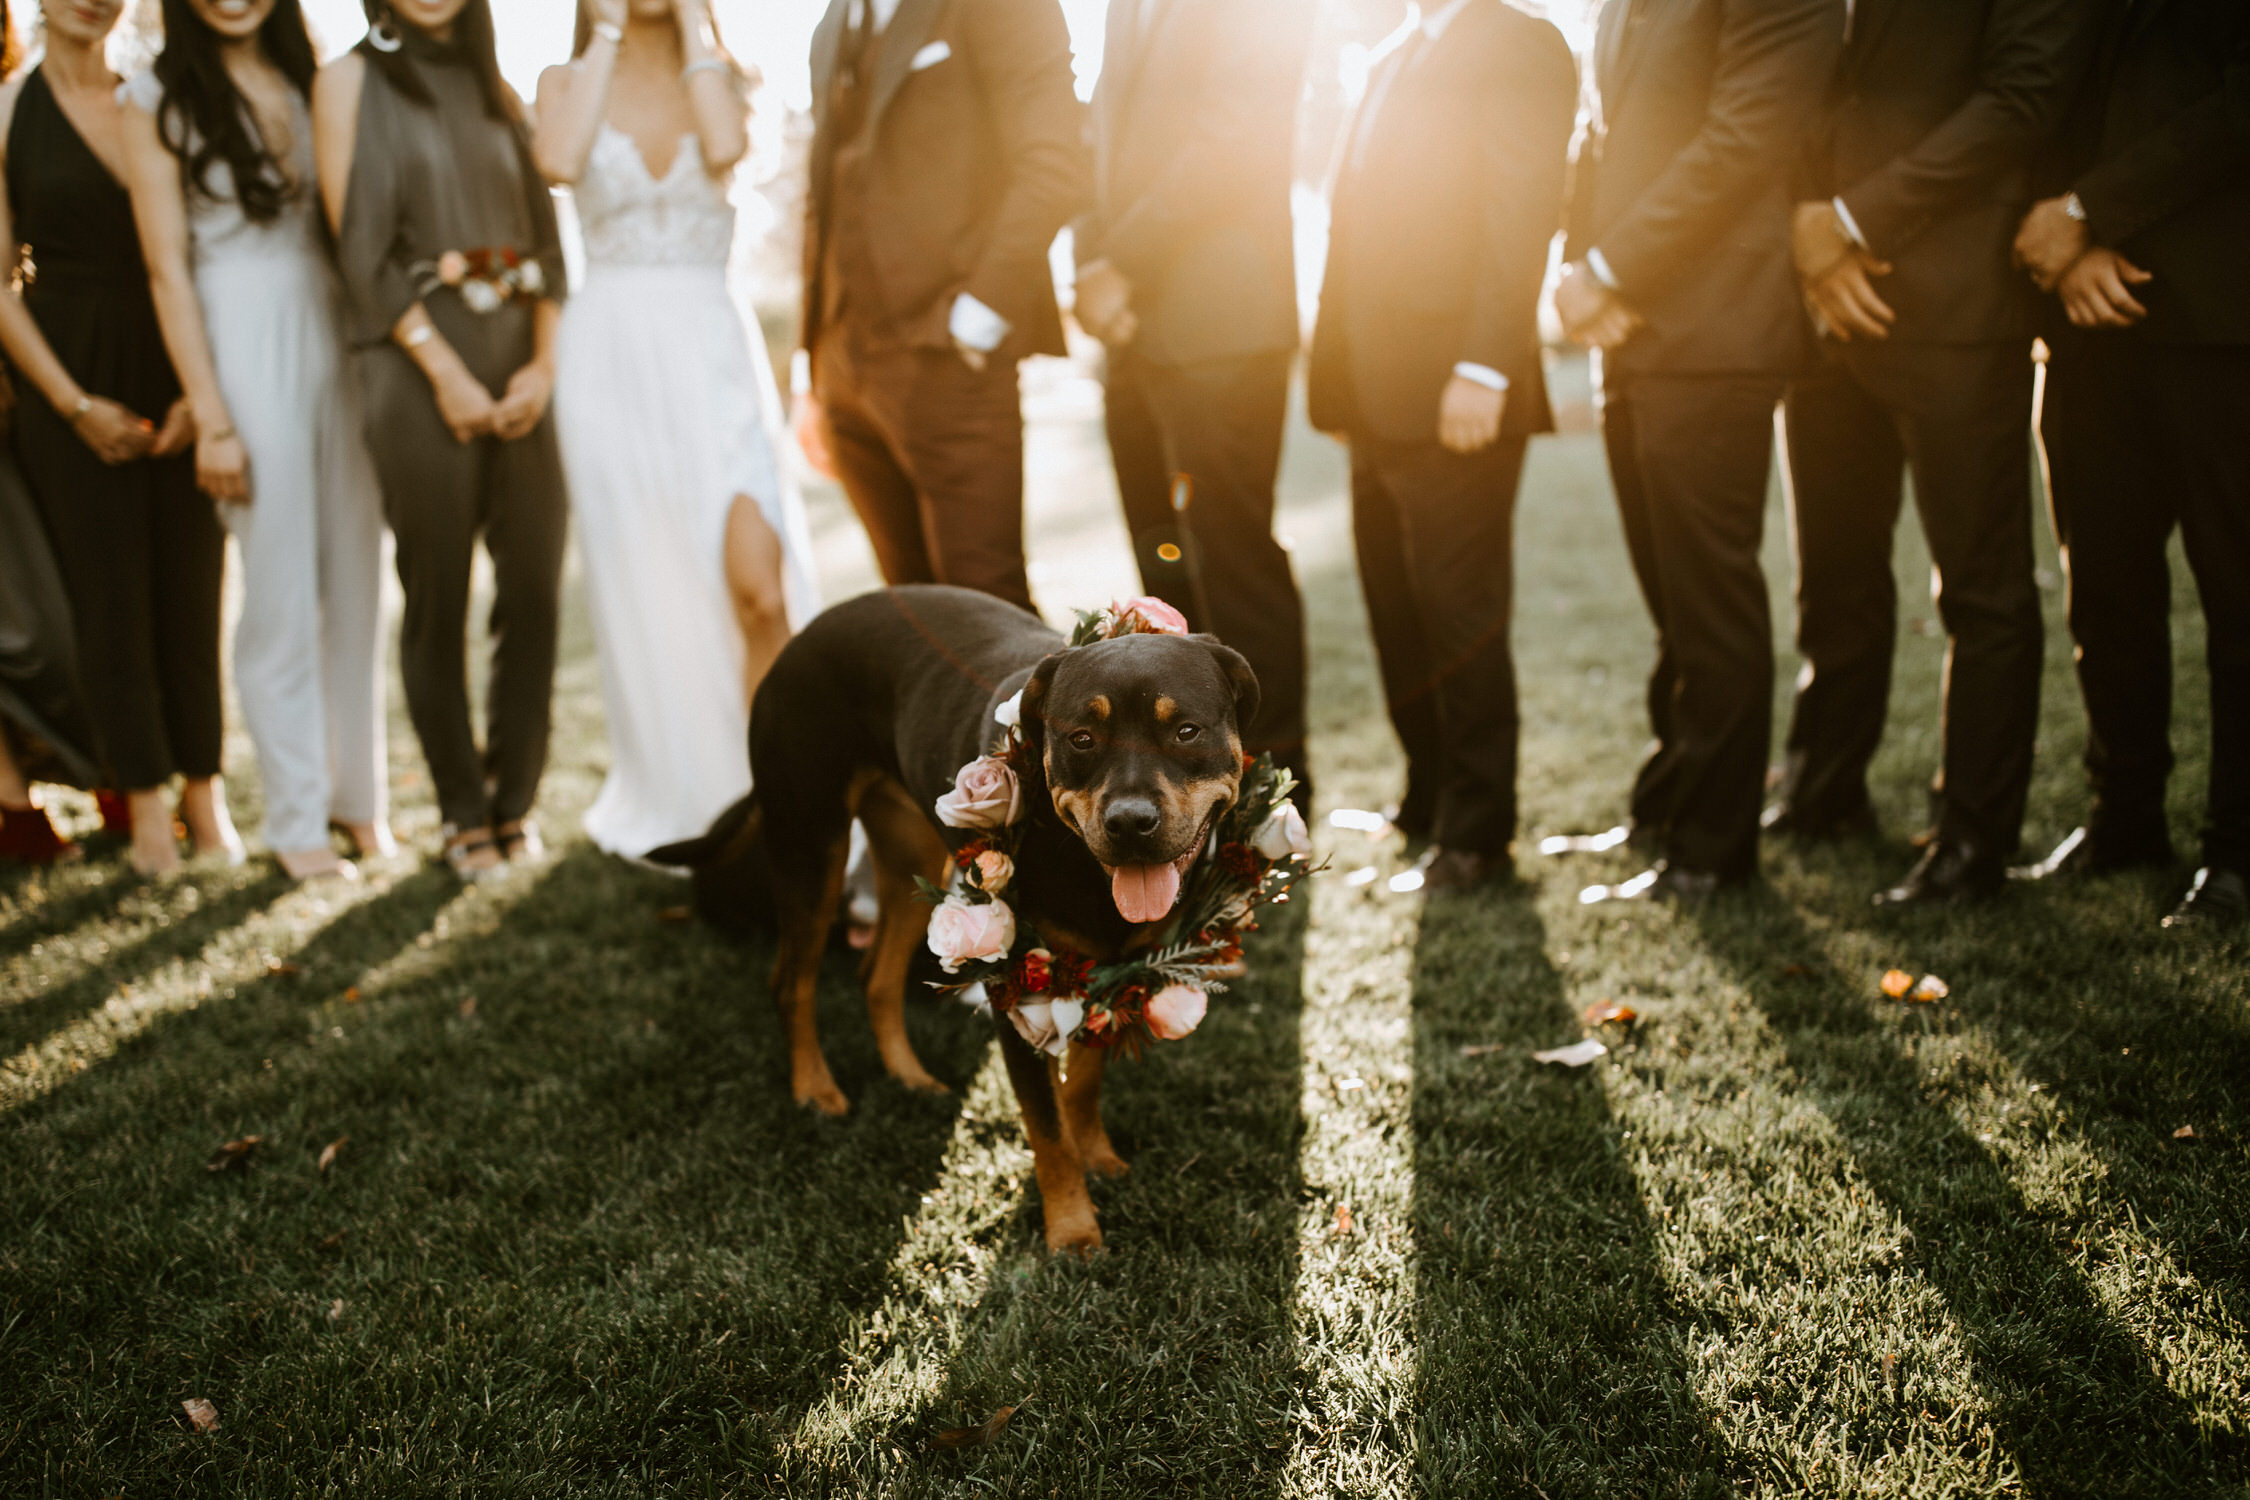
1083,739
1188,732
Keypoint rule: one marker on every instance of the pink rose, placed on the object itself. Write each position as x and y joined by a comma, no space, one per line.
984,795
994,871
1175,1010
971,932
1147,615
1282,834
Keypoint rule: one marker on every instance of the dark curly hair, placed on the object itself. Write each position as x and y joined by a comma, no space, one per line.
205,120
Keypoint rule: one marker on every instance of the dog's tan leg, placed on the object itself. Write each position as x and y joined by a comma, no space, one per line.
905,846
1081,1093
1069,1212
805,916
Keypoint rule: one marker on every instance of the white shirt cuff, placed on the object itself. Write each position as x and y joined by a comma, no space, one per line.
1598,263
1483,375
1851,225
975,326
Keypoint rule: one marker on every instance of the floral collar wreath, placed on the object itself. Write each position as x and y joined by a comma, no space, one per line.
1056,996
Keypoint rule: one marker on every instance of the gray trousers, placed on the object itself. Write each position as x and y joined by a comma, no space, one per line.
440,498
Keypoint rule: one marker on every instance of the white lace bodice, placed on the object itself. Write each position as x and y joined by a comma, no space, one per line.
631,218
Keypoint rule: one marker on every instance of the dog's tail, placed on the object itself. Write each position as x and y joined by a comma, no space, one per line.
733,886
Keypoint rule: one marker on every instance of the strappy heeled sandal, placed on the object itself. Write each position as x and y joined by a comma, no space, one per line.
464,852
520,840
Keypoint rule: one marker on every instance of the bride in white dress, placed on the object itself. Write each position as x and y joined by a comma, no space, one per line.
695,548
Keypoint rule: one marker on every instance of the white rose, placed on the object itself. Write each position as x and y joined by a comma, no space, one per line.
970,932
984,795
1010,714
1282,834
1048,1024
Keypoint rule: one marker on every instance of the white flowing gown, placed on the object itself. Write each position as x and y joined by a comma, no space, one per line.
666,408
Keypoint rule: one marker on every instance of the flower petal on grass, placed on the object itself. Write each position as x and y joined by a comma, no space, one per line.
1896,983
201,1414
1927,989
2186,1133
1602,1012
979,1435
1576,1055
1482,1049
328,1152
235,1153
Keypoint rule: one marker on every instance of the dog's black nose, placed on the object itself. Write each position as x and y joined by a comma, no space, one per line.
1131,818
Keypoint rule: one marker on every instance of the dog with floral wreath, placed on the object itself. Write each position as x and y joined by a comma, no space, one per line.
1069,825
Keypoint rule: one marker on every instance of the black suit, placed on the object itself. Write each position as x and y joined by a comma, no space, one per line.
1937,115
1194,127
2142,427
1448,192
1683,188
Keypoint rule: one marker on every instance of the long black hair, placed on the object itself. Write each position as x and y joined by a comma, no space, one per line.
205,120
472,36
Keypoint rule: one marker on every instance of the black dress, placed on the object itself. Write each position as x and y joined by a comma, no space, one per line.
139,548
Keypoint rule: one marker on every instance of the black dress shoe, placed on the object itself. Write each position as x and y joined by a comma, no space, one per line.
1789,821
1445,869
1950,871
1663,882
2219,899
2083,852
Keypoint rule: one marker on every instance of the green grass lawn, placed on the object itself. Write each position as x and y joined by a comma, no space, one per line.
1789,1237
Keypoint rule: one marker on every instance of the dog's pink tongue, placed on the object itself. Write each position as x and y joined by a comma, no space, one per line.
1144,893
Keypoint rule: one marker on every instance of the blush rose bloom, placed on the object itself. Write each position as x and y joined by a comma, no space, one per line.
984,795
1048,1024
1282,834
1147,615
994,871
1176,1010
970,932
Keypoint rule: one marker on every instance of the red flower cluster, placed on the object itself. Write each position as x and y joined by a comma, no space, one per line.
966,855
1033,972
1124,1014
1069,972
1242,861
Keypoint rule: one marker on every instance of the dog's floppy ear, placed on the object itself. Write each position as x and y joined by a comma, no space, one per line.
1033,715
1239,677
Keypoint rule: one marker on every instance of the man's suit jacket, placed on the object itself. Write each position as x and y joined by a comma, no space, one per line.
2158,150
1195,127
1445,203
1685,182
1938,115
971,160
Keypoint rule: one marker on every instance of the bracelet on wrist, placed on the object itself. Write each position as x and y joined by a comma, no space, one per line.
416,338
706,65
83,405
219,434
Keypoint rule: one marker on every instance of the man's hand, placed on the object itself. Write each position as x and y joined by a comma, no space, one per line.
1845,302
1469,414
1817,240
521,406
178,432
812,434
2049,242
1104,303
2097,290
1591,313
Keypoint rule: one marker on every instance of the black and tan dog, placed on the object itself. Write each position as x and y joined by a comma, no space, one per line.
1134,754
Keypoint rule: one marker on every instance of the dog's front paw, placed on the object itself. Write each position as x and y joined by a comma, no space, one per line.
819,1092
1103,1161
1073,1234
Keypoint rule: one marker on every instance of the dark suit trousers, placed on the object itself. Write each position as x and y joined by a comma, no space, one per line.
1435,533
1220,422
1690,456
1956,416
931,454
2141,438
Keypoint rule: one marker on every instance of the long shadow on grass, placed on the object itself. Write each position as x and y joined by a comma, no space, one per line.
578,1226
1551,1354
29,1019
2073,1398
1162,1366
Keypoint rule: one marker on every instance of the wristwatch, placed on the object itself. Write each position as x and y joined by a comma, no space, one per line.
2074,208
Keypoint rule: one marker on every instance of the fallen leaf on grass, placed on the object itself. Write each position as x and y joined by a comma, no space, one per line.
1482,1049
328,1152
1602,1012
335,1241
979,1435
676,914
336,1310
234,1153
281,967
1896,983
2186,1133
1576,1055
469,1009
1343,1218
202,1414
351,996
